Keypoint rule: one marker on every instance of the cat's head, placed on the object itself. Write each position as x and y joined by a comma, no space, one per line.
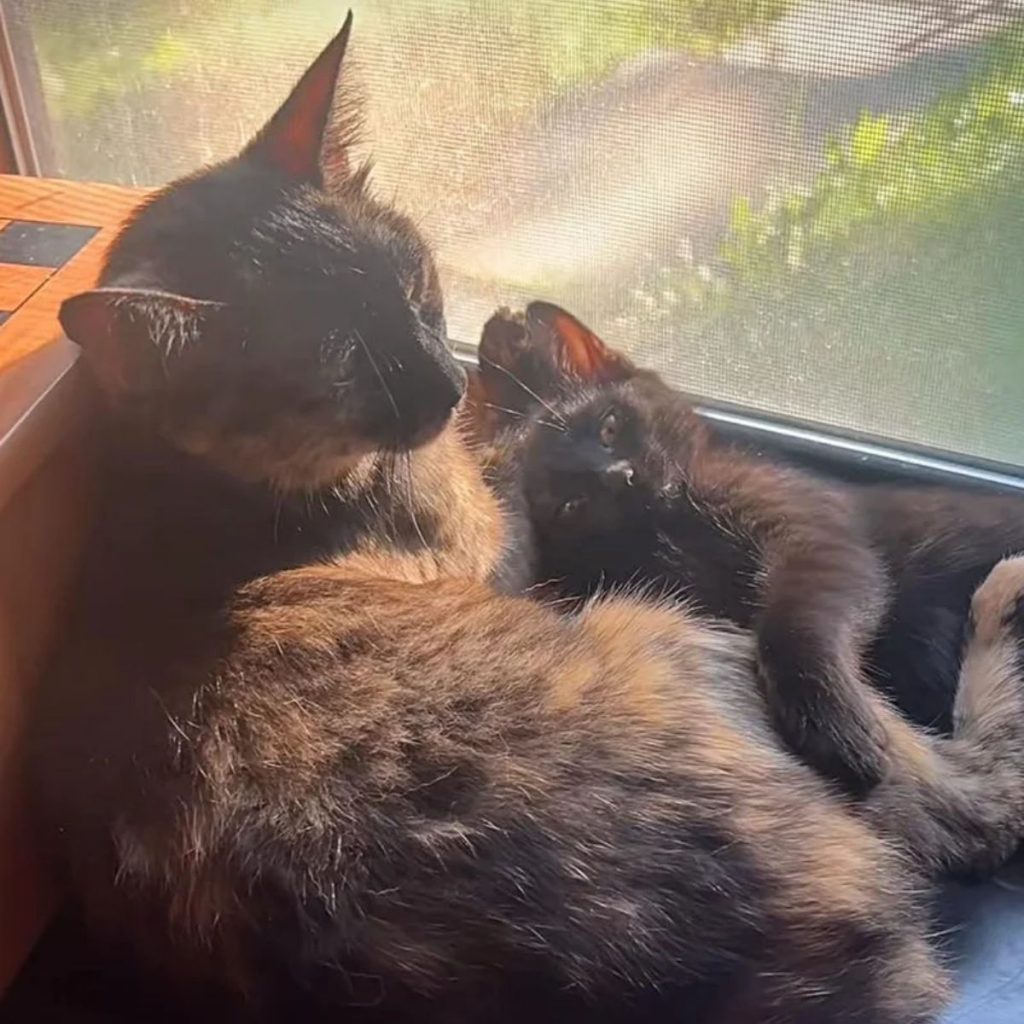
277,326
604,443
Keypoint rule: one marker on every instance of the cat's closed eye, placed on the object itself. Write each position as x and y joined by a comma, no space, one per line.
609,429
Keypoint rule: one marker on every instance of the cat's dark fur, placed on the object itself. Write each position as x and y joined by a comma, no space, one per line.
625,483
297,748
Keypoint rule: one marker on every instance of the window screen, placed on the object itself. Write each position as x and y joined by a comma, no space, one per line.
812,208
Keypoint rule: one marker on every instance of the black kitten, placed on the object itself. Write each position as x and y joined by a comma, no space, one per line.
625,484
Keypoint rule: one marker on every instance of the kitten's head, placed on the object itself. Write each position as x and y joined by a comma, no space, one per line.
255,319
605,444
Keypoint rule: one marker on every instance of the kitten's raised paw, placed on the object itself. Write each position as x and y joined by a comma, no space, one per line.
504,339
997,608
517,365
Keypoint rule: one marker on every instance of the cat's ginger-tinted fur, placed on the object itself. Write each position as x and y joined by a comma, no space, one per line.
297,746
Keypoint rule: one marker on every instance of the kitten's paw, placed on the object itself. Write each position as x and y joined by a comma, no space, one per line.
504,339
997,608
821,711
836,743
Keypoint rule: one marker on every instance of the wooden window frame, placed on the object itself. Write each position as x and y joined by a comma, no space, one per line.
24,130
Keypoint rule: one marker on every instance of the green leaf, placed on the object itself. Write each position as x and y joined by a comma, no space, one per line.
870,135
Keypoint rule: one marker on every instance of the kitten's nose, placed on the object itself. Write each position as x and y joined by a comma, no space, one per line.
620,473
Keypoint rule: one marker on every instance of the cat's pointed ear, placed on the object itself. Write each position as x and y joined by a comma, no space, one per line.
293,139
578,350
129,334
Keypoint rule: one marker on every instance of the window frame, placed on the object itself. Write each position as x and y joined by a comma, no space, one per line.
24,131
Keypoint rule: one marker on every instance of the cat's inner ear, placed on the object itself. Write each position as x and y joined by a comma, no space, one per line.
578,350
293,139
130,335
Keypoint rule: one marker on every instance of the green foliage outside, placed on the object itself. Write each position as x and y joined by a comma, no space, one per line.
576,43
101,52
98,52
924,165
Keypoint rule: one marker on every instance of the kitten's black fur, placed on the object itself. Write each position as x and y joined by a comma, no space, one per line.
937,544
624,484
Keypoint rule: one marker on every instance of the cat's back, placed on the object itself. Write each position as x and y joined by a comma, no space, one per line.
448,761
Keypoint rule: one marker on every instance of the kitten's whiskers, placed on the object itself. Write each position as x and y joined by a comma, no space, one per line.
533,394
521,415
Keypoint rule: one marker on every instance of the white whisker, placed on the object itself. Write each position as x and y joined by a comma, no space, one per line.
411,498
380,376
533,394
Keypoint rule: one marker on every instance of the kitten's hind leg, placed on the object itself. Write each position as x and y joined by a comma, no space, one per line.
958,805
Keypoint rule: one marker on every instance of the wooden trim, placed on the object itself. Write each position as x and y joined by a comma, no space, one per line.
42,528
8,165
22,108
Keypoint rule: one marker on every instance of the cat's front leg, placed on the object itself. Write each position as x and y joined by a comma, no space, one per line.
821,603
818,595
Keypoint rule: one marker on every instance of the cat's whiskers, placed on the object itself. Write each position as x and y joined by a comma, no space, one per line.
533,394
380,376
390,482
550,426
278,505
411,498
389,476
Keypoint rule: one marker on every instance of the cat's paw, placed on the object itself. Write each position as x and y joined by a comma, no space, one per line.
997,608
989,708
992,677
518,364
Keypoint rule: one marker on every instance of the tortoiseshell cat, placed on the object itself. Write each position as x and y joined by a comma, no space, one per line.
296,746
625,484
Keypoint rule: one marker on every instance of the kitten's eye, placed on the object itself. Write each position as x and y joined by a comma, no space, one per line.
569,508
609,430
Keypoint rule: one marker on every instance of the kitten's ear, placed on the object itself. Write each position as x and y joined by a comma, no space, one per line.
129,335
293,139
578,350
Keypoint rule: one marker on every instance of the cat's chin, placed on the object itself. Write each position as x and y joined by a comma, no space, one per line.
310,467
422,435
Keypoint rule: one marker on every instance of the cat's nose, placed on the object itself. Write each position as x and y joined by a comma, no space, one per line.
422,397
437,383
620,473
